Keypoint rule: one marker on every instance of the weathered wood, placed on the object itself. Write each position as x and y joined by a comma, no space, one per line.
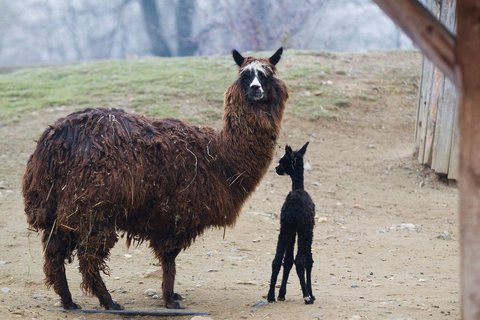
425,98
467,51
454,165
435,91
444,149
436,42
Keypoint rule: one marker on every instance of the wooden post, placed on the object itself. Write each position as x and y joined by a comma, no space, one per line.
468,61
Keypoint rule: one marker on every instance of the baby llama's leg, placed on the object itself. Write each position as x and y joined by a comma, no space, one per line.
277,263
300,264
287,264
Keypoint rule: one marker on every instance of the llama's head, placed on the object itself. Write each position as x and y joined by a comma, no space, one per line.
255,74
292,161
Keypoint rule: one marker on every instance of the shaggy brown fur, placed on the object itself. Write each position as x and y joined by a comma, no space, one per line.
101,171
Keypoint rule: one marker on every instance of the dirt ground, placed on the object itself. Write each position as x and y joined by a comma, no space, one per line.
385,242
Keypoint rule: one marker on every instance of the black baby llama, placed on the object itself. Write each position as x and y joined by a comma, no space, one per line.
297,218
101,171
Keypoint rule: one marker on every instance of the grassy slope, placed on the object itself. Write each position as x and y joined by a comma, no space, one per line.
190,88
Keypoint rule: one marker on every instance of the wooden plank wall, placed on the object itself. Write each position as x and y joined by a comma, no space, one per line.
436,133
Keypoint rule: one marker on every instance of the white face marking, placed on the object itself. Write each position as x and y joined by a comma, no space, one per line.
255,82
256,66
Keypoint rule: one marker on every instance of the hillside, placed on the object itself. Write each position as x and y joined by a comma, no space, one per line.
386,235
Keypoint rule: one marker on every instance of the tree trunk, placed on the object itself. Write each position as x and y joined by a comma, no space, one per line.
184,13
152,20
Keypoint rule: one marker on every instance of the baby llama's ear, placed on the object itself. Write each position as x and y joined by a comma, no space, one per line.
276,56
288,149
303,149
238,57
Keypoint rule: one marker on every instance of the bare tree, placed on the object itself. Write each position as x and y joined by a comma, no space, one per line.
152,19
184,14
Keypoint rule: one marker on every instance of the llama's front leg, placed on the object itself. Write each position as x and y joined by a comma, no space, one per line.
171,299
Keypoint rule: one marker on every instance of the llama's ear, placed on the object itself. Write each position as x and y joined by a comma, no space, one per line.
238,57
288,149
303,149
276,56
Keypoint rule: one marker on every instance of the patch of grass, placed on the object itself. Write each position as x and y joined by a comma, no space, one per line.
157,87
321,84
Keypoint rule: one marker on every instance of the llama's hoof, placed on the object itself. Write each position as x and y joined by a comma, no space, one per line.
281,298
175,304
309,300
271,299
177,297
113,306
71,306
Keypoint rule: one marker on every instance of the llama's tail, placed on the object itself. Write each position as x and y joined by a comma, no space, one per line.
38,198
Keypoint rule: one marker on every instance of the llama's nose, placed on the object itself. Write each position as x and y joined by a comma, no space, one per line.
255,87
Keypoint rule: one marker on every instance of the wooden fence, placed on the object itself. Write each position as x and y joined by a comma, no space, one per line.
436,133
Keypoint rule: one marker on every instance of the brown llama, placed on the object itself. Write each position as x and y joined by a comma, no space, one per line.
101,171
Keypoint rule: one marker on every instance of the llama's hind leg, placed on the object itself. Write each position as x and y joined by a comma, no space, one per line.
57,248
287,265
91,257
277,264
304,250
308,269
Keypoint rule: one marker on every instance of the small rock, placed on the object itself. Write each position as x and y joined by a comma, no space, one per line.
357,206
58,304
155,296
445,235
258,304
355,317
371,146
403,226
127,255
201,318
307,166
37,296
322,219
2,263
150,292
5,290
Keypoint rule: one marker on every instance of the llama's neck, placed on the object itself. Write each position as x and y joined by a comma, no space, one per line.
297,179
247,142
